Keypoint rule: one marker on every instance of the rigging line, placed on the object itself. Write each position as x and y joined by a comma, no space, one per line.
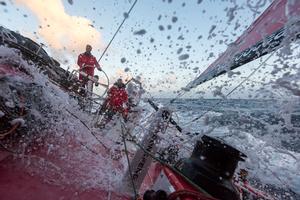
128,161
125,17
106,90
90,131
88,148
229,93
8,149
144,129
107,83
283,182
159,160
162,162
270,170
78,119
181,93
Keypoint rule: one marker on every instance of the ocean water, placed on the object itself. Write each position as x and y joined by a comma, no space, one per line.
265,130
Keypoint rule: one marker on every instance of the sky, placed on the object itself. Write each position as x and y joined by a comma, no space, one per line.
165,42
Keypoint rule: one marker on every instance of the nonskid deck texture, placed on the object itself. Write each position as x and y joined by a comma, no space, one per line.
69,172
17,184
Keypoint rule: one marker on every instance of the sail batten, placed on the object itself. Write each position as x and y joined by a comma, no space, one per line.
264,35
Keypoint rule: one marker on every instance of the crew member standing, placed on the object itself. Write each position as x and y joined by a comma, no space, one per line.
87,63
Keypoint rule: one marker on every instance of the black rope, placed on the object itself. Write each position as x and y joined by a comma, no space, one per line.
79,119
125,17
128,161
91,132
184,91
171,120
88,148
229,93
168,165
8,150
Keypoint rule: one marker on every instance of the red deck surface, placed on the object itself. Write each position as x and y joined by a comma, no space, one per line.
20,181
16,184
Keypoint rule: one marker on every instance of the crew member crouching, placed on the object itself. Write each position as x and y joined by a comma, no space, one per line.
116,102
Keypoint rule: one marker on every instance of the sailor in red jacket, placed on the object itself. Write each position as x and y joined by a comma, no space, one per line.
87,63
116,102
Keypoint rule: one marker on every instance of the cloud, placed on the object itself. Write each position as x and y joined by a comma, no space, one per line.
61,31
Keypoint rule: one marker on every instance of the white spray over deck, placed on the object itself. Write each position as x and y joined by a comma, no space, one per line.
69,141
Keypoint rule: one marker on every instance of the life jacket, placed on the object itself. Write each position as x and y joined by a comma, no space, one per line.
117,97
87,63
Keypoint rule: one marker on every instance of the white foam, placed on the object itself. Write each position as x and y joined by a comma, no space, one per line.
1,114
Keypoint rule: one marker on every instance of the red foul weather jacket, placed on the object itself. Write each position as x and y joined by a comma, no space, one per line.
87,63
116,98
